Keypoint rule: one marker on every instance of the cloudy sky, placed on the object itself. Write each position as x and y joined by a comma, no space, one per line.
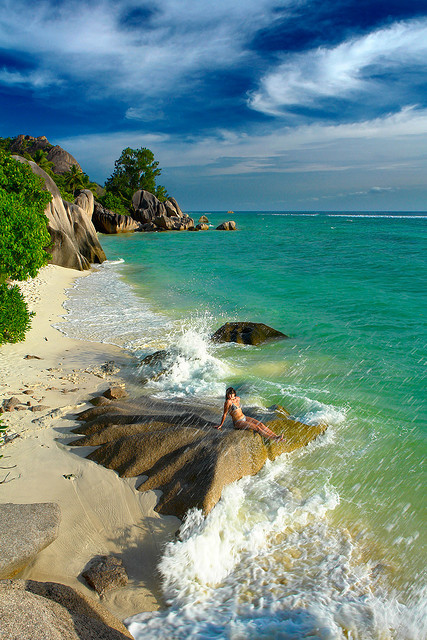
247,104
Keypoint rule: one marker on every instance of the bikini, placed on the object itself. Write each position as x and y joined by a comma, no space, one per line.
234,407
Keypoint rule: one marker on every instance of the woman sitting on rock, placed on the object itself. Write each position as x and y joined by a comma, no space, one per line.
240,421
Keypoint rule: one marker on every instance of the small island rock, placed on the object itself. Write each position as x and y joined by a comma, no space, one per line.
227,226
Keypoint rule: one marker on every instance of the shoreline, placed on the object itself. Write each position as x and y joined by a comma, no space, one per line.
102,514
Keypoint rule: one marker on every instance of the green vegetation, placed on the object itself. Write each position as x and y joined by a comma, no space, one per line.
113,203
24,237
135,169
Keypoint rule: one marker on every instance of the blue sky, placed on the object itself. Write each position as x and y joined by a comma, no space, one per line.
250,104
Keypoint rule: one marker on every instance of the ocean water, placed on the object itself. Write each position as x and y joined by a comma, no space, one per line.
328,542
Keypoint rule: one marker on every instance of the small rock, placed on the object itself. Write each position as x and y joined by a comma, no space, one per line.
28,392
11,403
110,367
114,393
105,573
39,407
30,357
21,407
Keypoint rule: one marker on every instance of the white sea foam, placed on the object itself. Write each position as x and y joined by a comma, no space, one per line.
102,307
192,368
267,563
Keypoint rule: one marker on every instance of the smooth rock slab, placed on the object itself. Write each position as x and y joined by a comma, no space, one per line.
25,529
32,610
105,573
176,446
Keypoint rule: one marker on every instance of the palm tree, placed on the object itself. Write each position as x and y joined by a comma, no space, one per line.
74,178
40,158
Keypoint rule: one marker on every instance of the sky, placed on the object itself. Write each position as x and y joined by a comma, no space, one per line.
246,104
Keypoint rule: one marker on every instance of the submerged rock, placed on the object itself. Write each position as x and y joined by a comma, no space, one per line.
246,333
180,451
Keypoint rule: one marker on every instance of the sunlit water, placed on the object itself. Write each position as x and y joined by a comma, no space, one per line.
328,542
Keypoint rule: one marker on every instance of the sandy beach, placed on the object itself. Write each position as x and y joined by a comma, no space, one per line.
101,513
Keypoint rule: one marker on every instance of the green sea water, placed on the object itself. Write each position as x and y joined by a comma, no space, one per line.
350,292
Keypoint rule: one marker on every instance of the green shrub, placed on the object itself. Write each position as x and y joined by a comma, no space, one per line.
23,239
114,203
15,319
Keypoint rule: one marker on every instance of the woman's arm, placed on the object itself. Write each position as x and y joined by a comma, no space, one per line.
224,415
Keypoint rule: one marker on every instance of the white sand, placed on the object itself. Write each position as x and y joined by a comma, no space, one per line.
101,513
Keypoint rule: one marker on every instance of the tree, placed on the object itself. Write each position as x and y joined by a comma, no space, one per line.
23,239
74,179
135,169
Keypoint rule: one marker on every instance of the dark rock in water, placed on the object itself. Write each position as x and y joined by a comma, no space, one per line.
106,573
227,226
106,221
246,333
180,451
203,220
25,529
31,610
74,241
202,227
114,393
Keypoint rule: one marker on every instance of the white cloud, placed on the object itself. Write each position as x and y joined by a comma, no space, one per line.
88,42
343,71
387,145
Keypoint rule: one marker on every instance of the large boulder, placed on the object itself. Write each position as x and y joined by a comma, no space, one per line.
31,610
105,573
180,451
25,529
106,221
227,226
146,206
85,201
62,160
74,240
159,216
246,333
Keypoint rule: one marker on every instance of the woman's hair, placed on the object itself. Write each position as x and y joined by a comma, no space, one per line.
229,391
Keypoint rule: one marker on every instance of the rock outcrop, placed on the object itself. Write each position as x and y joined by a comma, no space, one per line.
180,451
25,529
31,610
74,240
61,159
246,333
106,221
155,215
203,220
227,226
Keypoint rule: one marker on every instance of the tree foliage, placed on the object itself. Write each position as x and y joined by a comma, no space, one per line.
24,225
23,239
14,316
135,169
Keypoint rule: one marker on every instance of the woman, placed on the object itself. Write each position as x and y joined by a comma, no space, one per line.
240,421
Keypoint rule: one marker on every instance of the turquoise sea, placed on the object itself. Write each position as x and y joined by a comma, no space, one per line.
328,542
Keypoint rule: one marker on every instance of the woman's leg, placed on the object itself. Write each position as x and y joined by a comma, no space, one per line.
260,428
